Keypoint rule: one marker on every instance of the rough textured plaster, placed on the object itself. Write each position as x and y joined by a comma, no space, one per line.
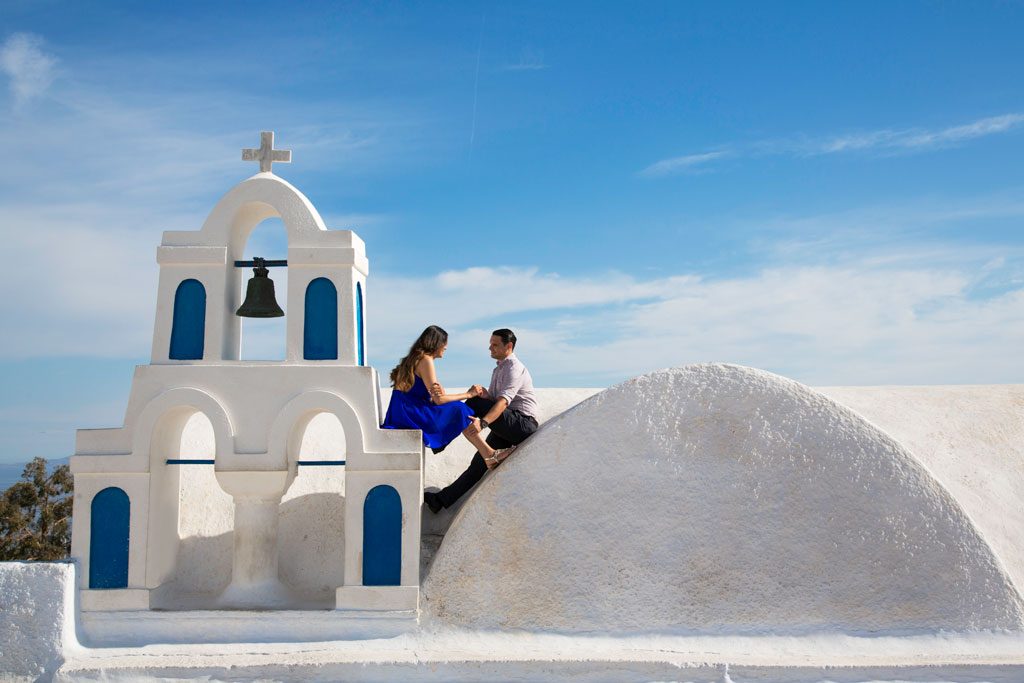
716,498
971,438
460,655
36,617
311,539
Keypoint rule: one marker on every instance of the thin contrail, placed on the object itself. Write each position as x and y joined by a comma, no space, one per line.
476,85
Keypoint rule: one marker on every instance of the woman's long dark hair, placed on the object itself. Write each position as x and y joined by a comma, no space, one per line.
404,374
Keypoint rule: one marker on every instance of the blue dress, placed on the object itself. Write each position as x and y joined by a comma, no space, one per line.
413,409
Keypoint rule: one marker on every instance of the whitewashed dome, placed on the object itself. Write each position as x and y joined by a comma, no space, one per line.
716,499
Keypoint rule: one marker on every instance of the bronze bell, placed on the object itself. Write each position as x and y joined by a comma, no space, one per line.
260,301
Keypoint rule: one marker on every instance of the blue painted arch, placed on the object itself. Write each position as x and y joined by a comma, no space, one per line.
320,331
108,539
382,537
188,328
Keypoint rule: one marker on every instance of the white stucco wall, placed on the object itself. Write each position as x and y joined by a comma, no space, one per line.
970,438
38,643
188,539
37,618
716,499
512,547
311,548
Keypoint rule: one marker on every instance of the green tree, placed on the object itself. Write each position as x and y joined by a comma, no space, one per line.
35,514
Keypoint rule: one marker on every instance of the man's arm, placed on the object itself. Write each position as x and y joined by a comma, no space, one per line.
496,410
493,414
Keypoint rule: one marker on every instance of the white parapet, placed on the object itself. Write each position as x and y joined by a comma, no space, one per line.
37,618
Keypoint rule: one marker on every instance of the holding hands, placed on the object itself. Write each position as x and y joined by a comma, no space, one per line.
437,391
472,392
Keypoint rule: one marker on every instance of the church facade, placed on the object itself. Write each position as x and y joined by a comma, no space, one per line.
128,480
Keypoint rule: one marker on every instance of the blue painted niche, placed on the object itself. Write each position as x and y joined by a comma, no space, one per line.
382,537
189,326
320,334
108,539
360,342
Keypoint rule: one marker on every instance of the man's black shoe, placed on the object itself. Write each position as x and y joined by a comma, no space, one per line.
433,501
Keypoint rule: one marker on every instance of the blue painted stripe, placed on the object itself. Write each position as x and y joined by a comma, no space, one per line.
322,463
188,461
269,264
360,333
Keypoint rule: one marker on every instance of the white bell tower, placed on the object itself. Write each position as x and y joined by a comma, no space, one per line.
127,483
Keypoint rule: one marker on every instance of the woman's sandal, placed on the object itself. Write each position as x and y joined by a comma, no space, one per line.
498,457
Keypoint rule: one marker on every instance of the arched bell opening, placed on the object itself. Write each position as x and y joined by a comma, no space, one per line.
264,338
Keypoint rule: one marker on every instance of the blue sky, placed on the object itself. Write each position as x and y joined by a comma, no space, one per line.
833,192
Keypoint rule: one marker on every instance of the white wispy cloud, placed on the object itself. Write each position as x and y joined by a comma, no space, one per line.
89,281
684,163
852,324
101,174
103,169
843,309
916,138
898,232
29,69
884,141
872,300
865,296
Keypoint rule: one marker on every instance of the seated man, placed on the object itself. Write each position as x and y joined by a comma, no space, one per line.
508,407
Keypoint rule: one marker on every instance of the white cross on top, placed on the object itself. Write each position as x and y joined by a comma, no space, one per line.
266,154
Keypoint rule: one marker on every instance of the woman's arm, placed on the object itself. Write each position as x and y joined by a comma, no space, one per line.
426,372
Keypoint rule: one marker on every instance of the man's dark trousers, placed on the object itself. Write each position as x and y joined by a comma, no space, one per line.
511,428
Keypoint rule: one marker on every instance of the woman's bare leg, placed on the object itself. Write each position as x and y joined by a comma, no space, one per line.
478,441
492,457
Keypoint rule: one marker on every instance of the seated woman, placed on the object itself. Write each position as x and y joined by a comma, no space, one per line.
439,415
